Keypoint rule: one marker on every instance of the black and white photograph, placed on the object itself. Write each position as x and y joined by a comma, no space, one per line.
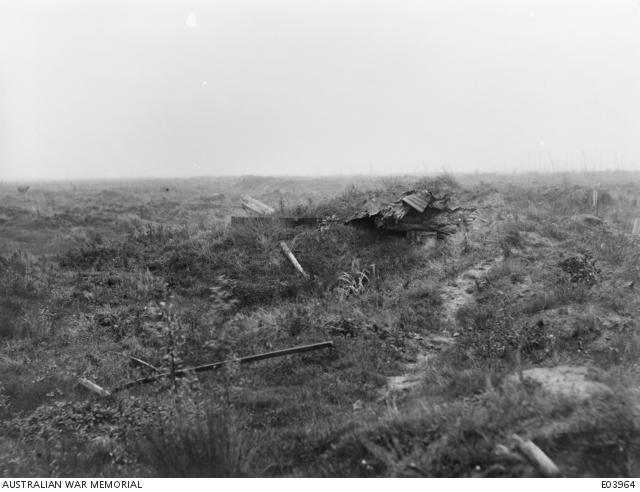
306,239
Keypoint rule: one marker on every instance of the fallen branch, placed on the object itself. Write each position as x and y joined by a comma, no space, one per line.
91,386
217,365
143,363
137,361
292,259
537,457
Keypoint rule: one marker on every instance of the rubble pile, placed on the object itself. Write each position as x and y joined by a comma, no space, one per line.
414,211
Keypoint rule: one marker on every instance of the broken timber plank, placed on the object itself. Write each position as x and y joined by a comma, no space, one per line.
91,386
256,206
293,259
537,457
215,365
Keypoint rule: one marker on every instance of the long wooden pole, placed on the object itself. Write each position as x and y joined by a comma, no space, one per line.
215,365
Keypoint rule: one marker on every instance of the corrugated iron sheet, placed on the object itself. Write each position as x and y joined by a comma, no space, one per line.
419,200
415,210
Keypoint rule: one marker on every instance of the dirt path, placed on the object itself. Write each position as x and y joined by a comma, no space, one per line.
454,296
462,290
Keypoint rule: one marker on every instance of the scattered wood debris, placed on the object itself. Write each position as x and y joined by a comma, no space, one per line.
216,365
418,210
265,213
99,390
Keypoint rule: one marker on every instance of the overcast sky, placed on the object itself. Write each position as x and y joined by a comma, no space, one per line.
115,88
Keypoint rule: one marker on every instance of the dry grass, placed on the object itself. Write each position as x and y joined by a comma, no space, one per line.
114,252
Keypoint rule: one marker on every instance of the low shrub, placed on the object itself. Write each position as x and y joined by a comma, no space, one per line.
194,439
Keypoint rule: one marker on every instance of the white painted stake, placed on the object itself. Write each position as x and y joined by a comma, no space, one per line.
536,456
292,259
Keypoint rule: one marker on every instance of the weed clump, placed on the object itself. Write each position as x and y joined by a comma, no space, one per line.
581,269
24,286
193,438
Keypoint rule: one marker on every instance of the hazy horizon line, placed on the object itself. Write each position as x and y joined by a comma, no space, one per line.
323,176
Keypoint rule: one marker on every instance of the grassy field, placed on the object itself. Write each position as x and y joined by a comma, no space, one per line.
525,322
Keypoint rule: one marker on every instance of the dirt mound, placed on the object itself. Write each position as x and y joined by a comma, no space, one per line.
581,326
587,219
571,381
535,240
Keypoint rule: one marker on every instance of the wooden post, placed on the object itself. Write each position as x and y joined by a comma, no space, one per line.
91,386
595,201
292,259
537,457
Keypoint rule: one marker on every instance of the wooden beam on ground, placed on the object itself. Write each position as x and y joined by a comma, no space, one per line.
216,365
